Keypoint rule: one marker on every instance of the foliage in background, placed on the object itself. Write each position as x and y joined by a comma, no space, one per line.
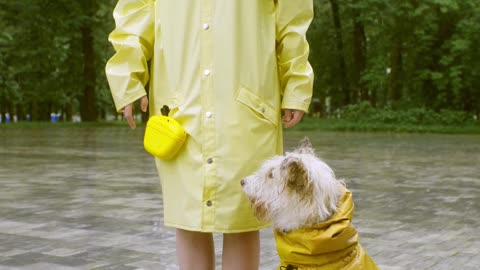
365,113
53,54
406,59
399,54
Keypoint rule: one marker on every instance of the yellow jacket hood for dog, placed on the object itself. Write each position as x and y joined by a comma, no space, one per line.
226,69
332,245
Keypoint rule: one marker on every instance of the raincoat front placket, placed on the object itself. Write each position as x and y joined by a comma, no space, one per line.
208,114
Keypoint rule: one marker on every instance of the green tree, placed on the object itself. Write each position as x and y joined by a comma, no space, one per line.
56,57
397,54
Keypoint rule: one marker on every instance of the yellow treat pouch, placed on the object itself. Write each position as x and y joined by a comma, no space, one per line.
164,136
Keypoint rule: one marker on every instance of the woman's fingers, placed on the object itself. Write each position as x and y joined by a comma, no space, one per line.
287,116
128,113
144,103
129,110
291,117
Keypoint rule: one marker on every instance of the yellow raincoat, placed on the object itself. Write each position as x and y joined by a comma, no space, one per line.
226,69
332,245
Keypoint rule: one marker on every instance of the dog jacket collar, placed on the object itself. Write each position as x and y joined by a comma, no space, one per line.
330,245
288,267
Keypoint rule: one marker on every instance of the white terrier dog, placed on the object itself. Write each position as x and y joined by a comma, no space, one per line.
310,210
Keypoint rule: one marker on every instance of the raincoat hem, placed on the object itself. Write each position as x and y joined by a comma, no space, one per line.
215,230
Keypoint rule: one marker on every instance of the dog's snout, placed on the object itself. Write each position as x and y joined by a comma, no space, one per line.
242,182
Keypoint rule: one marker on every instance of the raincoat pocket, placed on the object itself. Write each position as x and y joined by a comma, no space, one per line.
259,107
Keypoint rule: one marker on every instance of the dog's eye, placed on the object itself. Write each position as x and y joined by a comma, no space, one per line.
270,174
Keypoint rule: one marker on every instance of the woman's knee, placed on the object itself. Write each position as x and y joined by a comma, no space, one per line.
245,238
194,237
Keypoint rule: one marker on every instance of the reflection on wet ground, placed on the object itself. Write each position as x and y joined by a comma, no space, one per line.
89,198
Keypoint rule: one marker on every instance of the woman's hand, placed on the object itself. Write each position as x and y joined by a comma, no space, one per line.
291,117
130,109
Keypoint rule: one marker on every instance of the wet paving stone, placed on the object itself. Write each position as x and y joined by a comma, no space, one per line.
89,198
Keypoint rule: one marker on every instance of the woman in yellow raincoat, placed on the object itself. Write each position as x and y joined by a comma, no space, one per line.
226,69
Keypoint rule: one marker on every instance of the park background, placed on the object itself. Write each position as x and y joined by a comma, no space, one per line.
379,65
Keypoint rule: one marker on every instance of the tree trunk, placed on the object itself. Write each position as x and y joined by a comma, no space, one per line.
373,98
88,105
359,56
340,54
20,112
69,111
34,111
395,82
434,98
2,110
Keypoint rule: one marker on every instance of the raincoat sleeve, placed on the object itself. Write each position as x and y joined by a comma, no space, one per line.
296,75
132,39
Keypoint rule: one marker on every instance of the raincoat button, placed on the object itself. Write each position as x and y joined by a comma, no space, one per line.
207,72
209,114
209,203
206,26
262,109
210,160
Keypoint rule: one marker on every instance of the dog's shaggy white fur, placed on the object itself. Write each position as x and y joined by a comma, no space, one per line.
310,210
295,190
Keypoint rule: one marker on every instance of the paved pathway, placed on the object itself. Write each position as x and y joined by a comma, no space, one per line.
85,199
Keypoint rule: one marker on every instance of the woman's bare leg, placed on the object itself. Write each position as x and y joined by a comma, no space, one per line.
195,250
241,251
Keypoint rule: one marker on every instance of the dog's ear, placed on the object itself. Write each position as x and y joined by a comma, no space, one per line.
305,147
296,174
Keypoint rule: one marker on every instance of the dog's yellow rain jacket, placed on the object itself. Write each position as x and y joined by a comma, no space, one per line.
226,69
332,245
